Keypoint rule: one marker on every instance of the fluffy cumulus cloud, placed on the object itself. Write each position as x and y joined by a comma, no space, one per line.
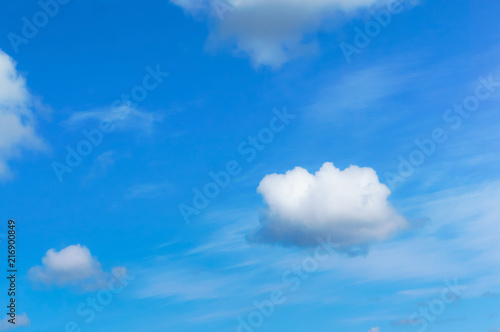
349,206
20,321
272,32
17,119
73,265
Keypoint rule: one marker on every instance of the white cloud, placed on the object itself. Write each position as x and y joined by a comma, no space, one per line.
374,329
102,164
73,265
149,190
272,32
21,320
17,120
123,117
350,206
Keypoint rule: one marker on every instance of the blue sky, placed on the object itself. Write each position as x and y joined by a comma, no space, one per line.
251,165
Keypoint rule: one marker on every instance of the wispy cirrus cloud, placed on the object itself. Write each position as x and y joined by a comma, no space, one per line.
124,117
359,90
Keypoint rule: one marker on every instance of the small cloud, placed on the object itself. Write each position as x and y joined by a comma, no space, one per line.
149,190
20,321
374,329
17,117
101,164
419,292
72,266
491,295
105,160
406,321
349,206
124,117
